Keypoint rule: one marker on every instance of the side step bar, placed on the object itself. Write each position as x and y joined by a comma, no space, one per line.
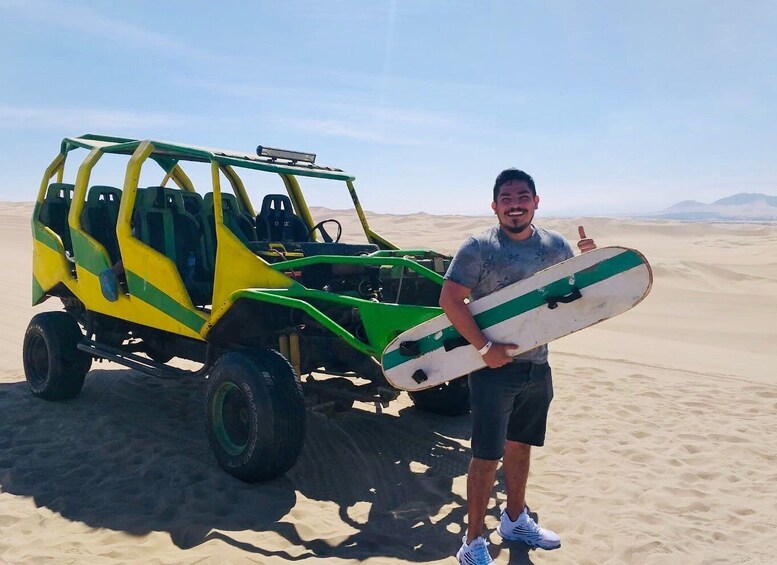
139,363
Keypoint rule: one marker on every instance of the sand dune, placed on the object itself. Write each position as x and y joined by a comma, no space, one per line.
660,449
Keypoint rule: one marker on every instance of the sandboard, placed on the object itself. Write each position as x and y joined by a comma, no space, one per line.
555,302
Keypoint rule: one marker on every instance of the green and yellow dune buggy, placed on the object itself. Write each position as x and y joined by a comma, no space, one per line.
169,264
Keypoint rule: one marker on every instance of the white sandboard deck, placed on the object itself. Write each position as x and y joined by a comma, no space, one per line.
562,299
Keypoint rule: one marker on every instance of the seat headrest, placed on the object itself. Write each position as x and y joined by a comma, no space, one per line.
163,197
108,193
192,201
60,191
277,203
228,202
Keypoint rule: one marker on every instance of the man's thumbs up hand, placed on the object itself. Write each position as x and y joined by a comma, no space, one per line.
585,243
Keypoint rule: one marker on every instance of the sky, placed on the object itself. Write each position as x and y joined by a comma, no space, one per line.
613,107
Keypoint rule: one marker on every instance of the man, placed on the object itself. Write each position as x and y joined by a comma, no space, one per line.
509,398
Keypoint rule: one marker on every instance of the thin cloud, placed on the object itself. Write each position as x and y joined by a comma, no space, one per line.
246,90
78,119
88,22
347,129
336,112
350,98
365,122
397,116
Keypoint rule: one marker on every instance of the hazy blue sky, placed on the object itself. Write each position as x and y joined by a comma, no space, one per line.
612,106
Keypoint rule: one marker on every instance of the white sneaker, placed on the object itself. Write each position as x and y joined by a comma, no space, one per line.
526,530
476,553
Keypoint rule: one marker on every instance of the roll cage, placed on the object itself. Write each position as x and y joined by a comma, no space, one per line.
187,259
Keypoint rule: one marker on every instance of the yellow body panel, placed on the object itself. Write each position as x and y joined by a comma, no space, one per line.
148,264
237,267
50,267
127,307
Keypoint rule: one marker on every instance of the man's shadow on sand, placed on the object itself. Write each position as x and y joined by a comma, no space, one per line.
131,454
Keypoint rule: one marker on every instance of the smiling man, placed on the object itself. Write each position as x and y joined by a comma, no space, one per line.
511,396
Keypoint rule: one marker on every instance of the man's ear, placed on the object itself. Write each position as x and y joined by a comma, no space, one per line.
536,202
493,207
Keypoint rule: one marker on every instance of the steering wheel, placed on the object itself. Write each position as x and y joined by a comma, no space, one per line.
320,227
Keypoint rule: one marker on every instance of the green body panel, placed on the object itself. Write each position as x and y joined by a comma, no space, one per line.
37,291
145,291
383,322
373,260
524,303
405,252
47,238
88,254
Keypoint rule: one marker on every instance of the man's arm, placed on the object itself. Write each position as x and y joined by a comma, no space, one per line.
452,302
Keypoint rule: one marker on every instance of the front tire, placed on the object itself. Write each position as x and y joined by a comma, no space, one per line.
448,399
54,366
255,413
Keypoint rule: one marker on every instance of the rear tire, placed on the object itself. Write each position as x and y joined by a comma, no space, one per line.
53,365
255,413
448,399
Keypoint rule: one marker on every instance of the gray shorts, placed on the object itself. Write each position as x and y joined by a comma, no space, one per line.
510,402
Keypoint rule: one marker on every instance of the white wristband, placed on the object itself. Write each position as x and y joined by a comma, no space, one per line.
483,350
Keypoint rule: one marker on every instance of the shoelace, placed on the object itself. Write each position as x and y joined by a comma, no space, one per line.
480,553
525,526
531,525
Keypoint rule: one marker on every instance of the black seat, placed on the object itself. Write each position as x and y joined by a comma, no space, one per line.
197,207
163,223
237,221
54,211
276,220
99,216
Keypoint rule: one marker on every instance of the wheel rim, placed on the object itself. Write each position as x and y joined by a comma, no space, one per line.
230,416
37,360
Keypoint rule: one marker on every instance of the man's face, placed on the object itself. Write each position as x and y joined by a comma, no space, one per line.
514,207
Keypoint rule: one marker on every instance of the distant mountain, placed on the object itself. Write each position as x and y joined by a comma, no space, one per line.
745,206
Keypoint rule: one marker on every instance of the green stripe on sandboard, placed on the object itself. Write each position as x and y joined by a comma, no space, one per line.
524,303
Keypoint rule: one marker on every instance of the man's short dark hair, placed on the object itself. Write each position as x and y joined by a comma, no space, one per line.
513,174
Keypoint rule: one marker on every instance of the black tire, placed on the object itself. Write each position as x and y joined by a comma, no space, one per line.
53,365
255,413
449,399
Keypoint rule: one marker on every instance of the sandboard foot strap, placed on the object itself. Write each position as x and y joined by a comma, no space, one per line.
420,376
554,301
454,342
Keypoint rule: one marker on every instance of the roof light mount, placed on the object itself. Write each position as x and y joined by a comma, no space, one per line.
273,154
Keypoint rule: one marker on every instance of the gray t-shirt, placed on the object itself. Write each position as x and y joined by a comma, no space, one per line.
489,261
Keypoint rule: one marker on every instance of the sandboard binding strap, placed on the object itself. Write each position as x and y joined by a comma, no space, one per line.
410,348
554,301
420,376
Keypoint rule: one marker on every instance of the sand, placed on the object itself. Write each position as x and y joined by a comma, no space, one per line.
661,446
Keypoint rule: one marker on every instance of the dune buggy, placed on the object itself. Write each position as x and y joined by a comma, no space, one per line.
282,312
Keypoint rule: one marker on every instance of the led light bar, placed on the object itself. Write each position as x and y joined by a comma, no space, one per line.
273,153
